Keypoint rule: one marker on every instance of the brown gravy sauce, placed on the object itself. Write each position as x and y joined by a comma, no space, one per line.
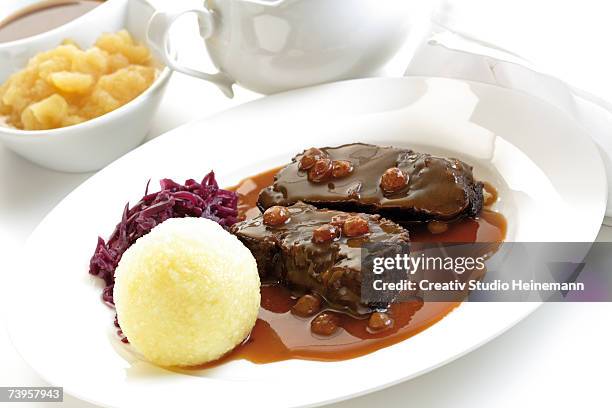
280,335
42,17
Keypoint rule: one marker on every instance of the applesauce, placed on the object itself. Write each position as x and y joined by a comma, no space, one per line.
69,85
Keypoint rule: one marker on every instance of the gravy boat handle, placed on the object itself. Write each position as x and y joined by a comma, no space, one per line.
158,37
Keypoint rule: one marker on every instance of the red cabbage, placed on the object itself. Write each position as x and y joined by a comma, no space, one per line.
174,200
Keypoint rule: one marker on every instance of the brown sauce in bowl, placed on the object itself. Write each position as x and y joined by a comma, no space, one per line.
281,335
43,17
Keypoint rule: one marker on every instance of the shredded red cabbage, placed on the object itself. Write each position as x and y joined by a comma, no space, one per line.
174,200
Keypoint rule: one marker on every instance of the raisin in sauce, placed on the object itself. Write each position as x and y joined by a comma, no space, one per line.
280,335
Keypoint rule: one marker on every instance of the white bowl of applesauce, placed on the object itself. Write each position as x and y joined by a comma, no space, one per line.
78,87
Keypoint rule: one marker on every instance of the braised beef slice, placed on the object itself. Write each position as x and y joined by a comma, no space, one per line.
437,188
287,253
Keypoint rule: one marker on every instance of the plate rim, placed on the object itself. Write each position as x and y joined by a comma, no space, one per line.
208,118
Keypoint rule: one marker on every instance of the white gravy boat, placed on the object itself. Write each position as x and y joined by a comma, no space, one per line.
270,46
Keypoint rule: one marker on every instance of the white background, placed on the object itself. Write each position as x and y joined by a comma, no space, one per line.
560,355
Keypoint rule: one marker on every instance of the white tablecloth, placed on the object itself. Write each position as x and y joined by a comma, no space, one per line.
499,50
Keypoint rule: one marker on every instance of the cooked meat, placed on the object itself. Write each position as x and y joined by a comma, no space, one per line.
396,183
317,250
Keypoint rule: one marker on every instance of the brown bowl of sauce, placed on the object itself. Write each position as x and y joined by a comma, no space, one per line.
42,16
28,27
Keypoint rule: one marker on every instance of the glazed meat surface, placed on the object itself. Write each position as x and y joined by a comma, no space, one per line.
319,250
400,184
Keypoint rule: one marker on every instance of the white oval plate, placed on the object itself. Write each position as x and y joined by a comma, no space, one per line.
551,181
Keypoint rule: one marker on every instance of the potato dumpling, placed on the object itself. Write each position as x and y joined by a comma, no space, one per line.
186,293
67,85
